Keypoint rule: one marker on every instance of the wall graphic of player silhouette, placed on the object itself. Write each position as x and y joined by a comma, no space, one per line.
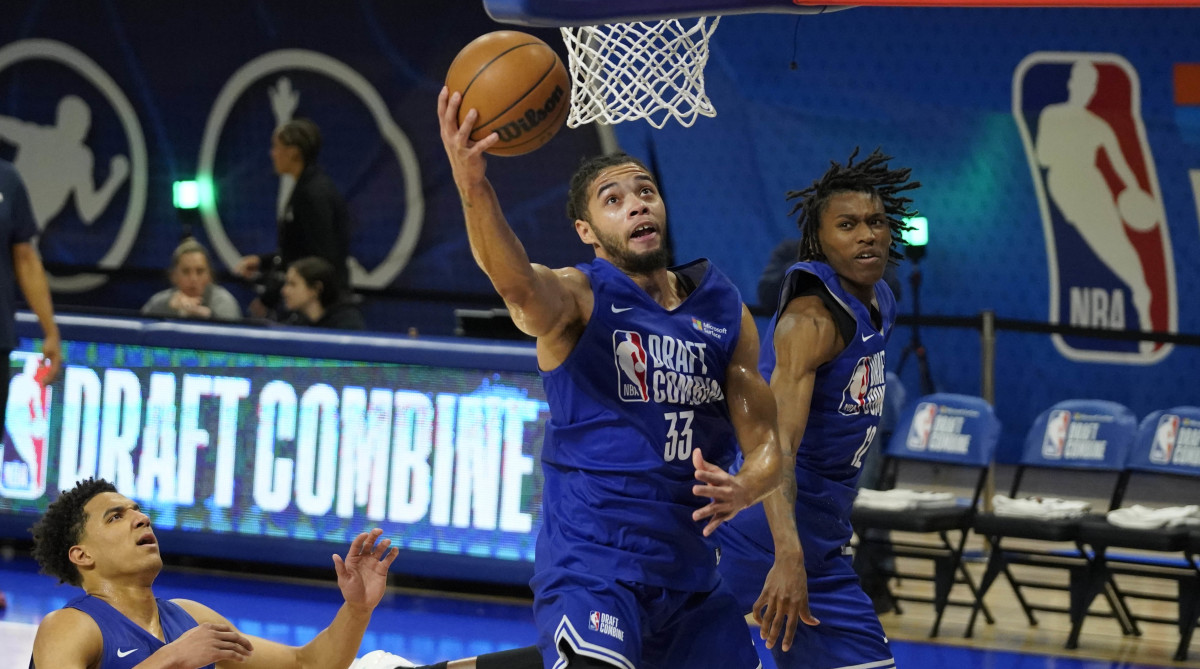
1107,240
56,163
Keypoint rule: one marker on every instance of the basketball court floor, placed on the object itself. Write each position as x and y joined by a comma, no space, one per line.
427,626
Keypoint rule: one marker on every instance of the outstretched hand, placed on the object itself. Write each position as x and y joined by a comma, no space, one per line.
466,156
727,495
783,602
362,576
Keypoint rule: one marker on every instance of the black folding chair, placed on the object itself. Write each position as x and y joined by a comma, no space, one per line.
1167,447
1079,442
952,432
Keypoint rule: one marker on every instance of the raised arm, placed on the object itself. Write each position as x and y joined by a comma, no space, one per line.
805,338
540,300
362,577
752,410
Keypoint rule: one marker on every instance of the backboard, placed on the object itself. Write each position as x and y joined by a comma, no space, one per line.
592,12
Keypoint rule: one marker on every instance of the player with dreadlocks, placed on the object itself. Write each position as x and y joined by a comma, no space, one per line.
824,357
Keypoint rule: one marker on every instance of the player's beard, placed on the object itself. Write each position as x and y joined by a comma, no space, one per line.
634,263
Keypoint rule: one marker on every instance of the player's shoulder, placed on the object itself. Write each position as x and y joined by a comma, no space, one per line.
199,612
68,633
809,306
68,620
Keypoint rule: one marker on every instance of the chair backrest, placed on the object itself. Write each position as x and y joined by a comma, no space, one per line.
1168,442
947,428
1081,434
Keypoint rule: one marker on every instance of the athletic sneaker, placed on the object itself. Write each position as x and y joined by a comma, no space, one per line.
380,659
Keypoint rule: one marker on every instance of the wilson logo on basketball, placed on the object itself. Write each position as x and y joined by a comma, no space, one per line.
532,119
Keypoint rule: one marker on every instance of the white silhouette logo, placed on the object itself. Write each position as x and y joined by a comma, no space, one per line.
284,100
617,310
56,165
867,336
123,653
1093,172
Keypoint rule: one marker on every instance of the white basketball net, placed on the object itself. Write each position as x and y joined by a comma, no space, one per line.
627,71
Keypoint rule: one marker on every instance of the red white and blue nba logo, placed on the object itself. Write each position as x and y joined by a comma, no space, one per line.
630,358
922,426
23,447
1165,436
1107,240
594,621
1054,440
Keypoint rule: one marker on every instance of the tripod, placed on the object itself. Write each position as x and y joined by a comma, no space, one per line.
915,347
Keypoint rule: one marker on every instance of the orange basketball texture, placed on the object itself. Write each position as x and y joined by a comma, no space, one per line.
518,85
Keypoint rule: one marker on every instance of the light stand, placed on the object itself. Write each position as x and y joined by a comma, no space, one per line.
917,238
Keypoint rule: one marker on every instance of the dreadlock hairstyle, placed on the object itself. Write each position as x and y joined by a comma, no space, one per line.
62,526
869,176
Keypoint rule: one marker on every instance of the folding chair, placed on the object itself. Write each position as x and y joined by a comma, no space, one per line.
1167,448
1076,442
957,434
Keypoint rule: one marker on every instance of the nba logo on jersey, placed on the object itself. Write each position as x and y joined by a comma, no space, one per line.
630,357
23,450
1055,438
922,426
1107,241
1165,436
594,621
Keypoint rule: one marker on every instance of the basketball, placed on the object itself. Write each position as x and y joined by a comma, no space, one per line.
1138,209
518,85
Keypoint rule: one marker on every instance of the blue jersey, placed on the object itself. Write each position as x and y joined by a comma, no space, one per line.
643,387
843,416
125,643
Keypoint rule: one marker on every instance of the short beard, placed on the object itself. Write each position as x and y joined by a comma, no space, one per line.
635,263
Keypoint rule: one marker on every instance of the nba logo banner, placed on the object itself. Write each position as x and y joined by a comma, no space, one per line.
1107,241
23,447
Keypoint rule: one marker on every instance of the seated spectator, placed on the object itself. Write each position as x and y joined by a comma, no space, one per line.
194,294
313,294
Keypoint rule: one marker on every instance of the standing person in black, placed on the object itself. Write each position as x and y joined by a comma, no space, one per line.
315,222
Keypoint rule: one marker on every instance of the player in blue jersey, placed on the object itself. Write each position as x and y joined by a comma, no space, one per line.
98,539
650,376
825,362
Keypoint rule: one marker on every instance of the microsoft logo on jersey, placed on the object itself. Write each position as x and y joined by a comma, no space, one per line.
708,328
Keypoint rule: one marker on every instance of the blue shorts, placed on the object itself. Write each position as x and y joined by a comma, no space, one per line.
636,626
849,634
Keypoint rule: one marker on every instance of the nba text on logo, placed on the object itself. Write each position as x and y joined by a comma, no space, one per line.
1074,436
863,393
606,624
1176,441
939,429
1107,241
663,369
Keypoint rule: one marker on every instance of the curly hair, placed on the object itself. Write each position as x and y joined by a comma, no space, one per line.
62,527
872,176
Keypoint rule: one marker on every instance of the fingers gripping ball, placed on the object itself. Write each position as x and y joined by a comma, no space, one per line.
518,85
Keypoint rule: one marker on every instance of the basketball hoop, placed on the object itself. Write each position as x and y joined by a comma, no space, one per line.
628,71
